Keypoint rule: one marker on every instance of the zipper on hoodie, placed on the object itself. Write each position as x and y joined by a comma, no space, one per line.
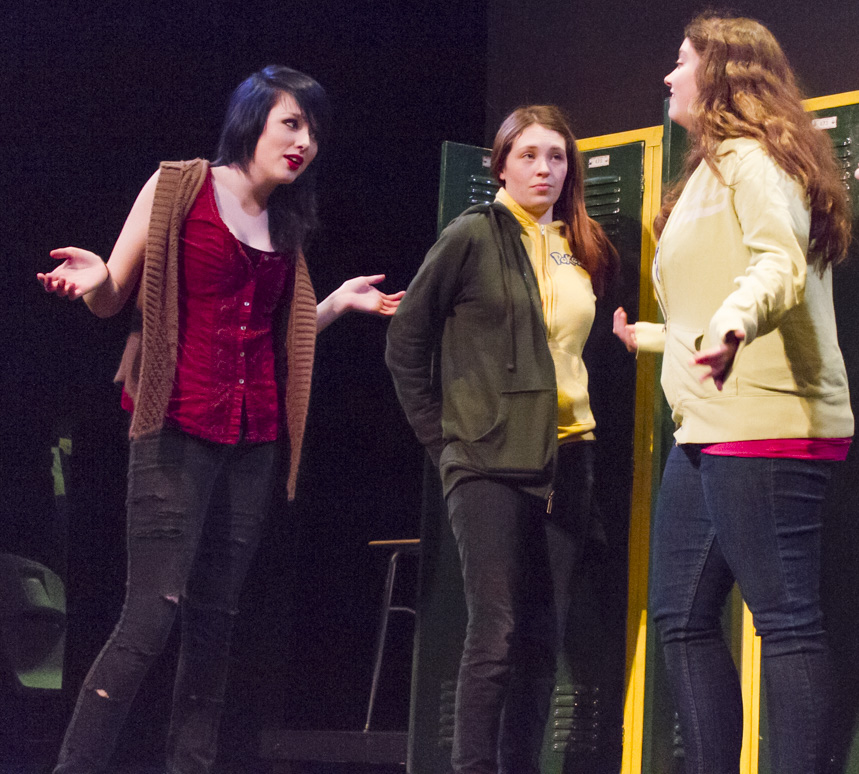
657,280
547,280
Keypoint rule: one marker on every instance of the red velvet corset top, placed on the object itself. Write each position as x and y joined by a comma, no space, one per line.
225,389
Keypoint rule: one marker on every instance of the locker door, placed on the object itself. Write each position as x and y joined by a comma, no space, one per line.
465,180
585,733
441,614
839,117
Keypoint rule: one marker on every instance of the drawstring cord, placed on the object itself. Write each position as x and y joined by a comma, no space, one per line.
508,296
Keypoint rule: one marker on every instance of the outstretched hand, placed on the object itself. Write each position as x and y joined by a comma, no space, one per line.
359,294
80,272
719,360
623,330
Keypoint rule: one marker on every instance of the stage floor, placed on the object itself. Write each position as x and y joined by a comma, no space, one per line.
267,767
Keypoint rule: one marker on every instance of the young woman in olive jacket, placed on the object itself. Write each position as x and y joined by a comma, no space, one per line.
485,351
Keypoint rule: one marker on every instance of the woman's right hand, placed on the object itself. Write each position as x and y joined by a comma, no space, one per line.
80,272
623,330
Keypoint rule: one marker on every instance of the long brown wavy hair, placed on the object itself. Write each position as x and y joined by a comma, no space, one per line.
588,242
747,89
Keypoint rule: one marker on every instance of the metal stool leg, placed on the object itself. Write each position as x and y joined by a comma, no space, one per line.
382,633
410,546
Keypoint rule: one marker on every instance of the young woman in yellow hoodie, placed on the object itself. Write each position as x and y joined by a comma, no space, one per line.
758,390
486,354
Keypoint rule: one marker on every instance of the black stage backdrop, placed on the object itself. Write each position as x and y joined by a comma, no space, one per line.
604,60
94,94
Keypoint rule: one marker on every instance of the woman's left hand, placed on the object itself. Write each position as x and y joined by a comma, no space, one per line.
719,360
359,295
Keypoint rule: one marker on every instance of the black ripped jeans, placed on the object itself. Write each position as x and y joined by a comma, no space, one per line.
195,513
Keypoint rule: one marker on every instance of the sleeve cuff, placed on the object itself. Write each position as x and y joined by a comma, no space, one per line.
650,337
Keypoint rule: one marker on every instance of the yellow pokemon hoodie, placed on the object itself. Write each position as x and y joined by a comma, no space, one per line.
568,310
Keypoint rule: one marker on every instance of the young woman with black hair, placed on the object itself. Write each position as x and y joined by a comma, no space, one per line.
218,379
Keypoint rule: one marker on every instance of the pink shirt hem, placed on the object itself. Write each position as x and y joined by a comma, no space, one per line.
791,448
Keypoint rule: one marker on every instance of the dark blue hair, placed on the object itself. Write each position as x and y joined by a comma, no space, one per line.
292,212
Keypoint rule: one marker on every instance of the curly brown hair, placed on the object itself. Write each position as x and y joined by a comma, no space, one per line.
746,88
588,241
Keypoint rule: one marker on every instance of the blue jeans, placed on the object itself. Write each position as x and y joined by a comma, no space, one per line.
756,521
517,563
195,513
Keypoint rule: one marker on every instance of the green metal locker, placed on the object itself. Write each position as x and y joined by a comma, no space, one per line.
839,117
441,614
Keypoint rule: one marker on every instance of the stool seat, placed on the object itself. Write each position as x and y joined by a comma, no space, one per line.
408,545
398,548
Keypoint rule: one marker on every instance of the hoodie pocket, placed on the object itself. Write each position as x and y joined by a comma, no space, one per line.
681,380
523,439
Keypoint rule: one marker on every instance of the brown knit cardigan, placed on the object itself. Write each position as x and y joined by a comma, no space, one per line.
148,364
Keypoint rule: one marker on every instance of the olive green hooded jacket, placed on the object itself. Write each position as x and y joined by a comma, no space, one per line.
468,353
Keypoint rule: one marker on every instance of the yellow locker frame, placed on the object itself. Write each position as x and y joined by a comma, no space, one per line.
645,385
